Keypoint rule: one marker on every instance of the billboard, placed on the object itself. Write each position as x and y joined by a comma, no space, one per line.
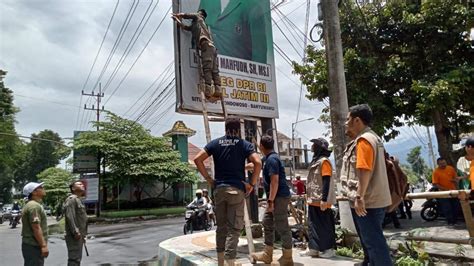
84,160
242,33
91,184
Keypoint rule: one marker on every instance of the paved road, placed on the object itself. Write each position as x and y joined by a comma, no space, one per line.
129,244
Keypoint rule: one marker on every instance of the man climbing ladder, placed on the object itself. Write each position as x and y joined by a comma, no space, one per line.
204,45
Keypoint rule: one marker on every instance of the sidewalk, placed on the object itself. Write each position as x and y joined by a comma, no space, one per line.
200,249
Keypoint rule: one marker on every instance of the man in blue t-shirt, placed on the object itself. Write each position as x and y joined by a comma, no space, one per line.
276,214
229,154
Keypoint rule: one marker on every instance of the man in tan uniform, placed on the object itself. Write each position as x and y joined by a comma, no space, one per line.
203,43
34,232
365,182
76,223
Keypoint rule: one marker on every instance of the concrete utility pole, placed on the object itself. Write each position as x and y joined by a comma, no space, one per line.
430,147
337,82
338,105
97,108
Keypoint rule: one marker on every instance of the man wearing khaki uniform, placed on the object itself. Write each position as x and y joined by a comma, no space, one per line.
229,154
203,43
76,223
365,182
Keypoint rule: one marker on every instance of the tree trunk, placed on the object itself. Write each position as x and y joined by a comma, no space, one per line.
443,137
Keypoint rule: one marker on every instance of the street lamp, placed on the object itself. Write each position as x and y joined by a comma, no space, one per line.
293,126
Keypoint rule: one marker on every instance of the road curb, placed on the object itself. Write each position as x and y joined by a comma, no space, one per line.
104,220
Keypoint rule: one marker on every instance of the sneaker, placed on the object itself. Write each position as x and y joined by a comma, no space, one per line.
309,253
329,253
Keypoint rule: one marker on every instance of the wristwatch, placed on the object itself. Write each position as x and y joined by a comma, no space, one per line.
359,197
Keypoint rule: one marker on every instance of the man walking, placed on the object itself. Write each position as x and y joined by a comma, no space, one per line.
276,214
203,43
34,232
365,183
229,154
76,223
445,178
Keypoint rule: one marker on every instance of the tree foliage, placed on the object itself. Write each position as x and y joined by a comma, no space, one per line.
132,154
56,183
46,149
411,62
9,142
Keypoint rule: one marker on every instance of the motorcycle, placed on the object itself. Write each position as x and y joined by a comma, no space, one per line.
194,222
15,218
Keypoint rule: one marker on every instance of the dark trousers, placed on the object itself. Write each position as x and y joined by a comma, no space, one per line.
32,255
322,231
449,207
278,220
74,251
369,229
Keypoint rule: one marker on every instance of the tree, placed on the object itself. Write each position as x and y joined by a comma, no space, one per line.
417,163
9,141
411,61
412,177
46,149
56,183
133,155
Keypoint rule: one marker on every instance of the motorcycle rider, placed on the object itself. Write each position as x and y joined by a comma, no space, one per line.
210,207
199,202
16,207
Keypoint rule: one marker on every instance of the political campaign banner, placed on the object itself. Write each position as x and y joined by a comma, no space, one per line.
241,31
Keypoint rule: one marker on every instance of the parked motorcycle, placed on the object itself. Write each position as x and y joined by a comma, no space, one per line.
194,222
15,218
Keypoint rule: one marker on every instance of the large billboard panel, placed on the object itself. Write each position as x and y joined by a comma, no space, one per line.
91,184
242,33
84,160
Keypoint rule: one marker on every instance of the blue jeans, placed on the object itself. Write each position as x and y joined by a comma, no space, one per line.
449,208
369,229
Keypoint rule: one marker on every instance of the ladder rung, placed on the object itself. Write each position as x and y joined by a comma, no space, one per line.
216,119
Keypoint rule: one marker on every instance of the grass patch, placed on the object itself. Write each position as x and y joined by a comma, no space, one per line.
143,212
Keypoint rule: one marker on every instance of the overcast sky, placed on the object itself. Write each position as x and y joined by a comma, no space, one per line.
48,48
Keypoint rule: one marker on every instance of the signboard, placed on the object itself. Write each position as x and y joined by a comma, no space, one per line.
242,33
91,184
84,160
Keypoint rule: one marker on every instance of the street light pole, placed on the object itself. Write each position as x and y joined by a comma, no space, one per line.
292,151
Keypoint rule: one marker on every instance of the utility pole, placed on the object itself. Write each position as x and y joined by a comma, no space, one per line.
430,147
338,105
337,82
96,108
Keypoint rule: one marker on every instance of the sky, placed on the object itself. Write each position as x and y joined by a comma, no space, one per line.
49,47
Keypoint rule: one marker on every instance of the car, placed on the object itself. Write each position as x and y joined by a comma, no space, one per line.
6,211
47,210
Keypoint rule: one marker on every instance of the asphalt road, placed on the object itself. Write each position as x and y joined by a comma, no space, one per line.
130,244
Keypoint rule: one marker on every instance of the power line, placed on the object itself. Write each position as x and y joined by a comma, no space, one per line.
95,59
286,37
168,76
146,91
141,52
122,31
304,57
131,43
44,100
34,138
157,100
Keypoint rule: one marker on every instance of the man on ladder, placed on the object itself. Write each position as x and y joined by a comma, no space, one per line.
209,71
229,154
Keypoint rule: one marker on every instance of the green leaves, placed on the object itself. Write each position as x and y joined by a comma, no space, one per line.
405,60
56,183
131,153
